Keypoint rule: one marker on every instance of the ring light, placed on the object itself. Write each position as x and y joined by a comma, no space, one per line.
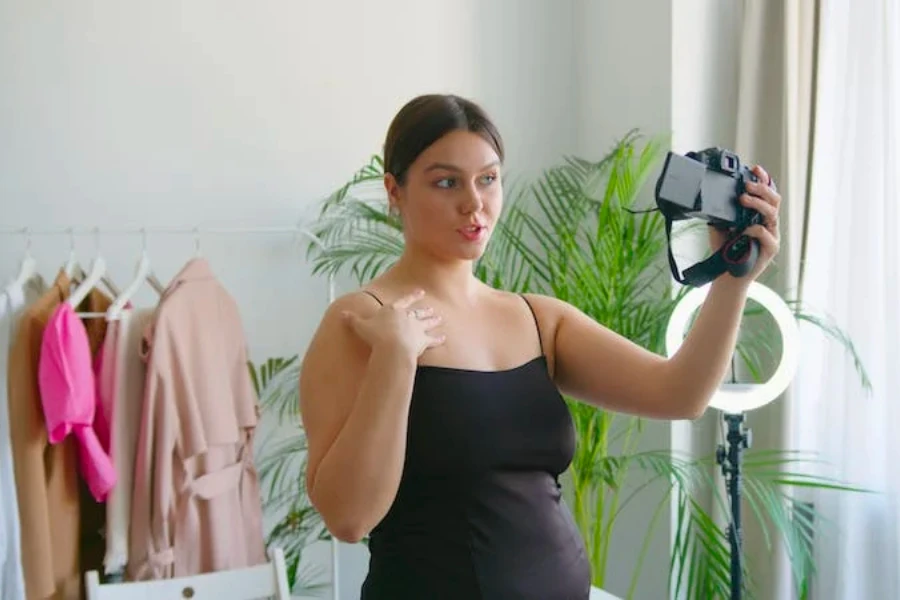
744,397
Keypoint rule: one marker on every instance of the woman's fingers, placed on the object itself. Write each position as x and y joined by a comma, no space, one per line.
767,193
431,322
768,211
350,318
421,313
406,301
766,238
764,177
436,340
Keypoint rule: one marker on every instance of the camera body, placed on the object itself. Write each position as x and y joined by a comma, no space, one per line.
707,185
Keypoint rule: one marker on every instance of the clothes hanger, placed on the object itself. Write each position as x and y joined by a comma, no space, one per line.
28,267
196,242
97,275
27,271
143,273
72,269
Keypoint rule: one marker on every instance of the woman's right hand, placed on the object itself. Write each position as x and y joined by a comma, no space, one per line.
397,327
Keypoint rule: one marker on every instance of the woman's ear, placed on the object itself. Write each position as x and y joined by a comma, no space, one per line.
393,189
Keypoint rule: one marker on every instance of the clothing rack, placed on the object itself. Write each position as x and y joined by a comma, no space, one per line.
143,231
197,232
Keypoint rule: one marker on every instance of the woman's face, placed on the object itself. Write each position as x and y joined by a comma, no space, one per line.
452,197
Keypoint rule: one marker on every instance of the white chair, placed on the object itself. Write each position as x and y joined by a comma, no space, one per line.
264,581
598,594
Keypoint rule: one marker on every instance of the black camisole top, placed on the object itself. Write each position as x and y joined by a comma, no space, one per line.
479,514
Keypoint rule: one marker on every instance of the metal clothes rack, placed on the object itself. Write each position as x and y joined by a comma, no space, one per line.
197,232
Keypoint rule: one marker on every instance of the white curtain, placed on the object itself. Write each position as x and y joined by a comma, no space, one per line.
774,118
851,271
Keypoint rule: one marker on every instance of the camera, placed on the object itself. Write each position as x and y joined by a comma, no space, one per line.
707,185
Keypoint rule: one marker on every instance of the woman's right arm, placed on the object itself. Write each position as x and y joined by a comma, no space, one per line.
354,397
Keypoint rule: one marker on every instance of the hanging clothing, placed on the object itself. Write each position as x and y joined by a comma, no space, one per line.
121,379
59,519
13,300
68,388
196,504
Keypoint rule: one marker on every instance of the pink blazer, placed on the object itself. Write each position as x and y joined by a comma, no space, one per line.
69,397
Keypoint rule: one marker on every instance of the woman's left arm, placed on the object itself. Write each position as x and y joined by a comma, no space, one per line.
598,366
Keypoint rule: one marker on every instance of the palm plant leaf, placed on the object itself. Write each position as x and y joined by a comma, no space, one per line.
826,324
282,469
275,383
355,229
281,466
700,562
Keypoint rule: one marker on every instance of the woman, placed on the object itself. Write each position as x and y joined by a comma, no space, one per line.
432,402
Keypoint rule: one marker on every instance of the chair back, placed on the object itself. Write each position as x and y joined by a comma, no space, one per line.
260,582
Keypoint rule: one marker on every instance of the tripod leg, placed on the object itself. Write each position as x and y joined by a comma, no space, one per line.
738,439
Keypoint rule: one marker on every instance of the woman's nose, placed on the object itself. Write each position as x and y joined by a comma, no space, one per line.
472,202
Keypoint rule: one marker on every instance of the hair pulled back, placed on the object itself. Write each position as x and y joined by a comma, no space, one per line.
427,118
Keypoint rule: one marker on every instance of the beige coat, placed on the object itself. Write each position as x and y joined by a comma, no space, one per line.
196,504
61,523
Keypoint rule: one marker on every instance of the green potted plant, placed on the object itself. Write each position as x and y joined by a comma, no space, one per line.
574,233
281,464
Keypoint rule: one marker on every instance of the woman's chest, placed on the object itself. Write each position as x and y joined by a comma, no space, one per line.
462,420
484,340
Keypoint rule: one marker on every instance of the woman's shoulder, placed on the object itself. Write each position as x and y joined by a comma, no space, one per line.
332,337
546,306
331,322
547,310
363,301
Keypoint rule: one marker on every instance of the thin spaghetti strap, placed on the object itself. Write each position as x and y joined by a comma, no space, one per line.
377,299
536,324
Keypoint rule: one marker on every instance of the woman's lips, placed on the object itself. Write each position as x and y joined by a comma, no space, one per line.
473,233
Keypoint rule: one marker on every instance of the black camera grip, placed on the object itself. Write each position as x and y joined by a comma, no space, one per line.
740,254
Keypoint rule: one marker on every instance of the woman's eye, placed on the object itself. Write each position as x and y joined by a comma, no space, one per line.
451,182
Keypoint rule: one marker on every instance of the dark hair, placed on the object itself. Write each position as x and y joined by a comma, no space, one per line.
424,120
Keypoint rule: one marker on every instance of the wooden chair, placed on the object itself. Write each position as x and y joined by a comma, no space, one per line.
264,581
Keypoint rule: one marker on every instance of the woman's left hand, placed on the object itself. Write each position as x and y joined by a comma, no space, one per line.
763,197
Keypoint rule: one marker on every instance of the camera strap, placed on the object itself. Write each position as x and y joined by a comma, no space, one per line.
716,264
699,274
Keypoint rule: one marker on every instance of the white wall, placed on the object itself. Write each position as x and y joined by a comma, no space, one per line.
224,113
705,46
233,114
127,114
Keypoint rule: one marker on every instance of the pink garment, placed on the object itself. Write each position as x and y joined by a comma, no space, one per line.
68,392
103,414
196,502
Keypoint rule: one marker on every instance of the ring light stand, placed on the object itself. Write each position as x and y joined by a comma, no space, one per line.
735,399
